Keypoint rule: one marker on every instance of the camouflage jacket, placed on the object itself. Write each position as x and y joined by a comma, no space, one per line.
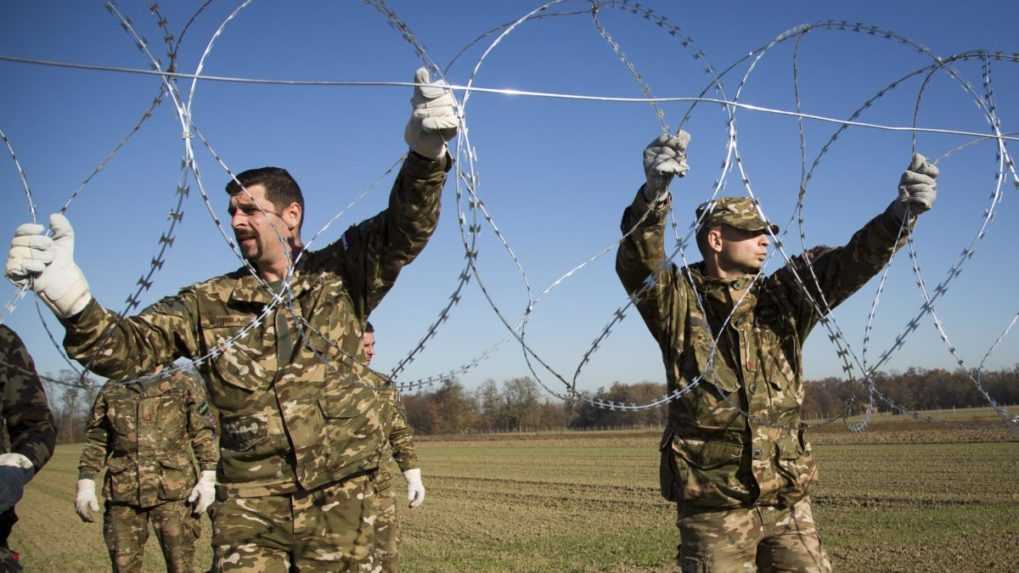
26,414
139,431
722,458
399,435
294,412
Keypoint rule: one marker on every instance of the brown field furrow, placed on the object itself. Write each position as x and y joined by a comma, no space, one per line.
893,501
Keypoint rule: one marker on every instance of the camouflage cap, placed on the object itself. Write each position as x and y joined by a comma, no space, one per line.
738,212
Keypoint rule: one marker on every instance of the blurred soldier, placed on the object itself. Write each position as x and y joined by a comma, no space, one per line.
300,435
734,457
139,432
400,439
30,430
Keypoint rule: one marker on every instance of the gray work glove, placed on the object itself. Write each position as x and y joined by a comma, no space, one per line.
85,501
664,158
433,119
15,471
48,264
918,188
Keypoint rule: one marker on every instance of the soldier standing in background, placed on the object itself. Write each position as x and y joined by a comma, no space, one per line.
139,432
300,434
29,427
400,442
734,457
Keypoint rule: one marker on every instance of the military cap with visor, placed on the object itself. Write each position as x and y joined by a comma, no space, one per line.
737,212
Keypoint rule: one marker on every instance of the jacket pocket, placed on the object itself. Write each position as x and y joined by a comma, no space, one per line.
708,471
176,479
121,482
244,363
352,431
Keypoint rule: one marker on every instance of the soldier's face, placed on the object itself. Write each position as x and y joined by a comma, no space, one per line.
368,346
258,227
743,251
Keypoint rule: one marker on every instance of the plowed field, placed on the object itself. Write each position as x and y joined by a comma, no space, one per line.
903,496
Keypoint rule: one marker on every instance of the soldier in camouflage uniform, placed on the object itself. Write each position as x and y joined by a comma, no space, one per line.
734,456
400,442
300,428
139,432
28,430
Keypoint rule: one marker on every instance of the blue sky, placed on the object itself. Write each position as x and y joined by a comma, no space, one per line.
556,174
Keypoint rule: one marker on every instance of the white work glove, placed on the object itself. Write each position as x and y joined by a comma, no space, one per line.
415,489
664,158
204,492
85,501
433,119
918,188
15,471
48,264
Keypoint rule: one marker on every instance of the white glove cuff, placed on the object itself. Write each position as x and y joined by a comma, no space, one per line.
16,460
413,475
70,300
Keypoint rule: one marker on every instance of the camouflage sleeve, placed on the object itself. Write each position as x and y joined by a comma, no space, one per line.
125,348
641,258
371,254
840,271
200,428
93,455
25,410
401,437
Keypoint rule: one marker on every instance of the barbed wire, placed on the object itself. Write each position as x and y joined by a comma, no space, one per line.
474,216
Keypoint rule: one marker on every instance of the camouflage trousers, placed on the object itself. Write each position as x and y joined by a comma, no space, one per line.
329,529
126,529
9,560
387,528
766,539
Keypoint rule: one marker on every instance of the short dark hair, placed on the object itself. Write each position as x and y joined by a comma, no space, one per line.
368,327
280,188
702,237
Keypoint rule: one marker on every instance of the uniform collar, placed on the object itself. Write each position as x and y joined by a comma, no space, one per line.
249,289
713,284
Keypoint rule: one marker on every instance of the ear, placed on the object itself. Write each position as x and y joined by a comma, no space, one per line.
714,239
292,216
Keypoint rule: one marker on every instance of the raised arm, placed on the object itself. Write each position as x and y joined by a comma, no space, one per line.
111,346
641,255
372,253
125,348
841,271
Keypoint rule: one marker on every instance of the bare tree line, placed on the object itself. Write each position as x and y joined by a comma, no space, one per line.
519,404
